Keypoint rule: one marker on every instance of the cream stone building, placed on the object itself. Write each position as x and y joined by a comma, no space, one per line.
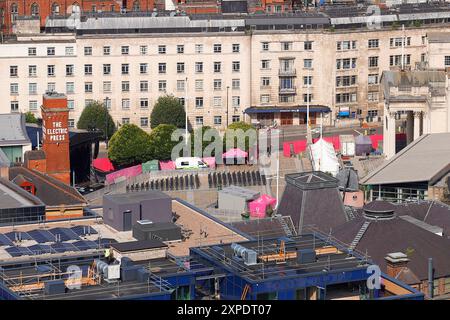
421,97
225,69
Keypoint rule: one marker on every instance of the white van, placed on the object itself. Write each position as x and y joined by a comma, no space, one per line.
190,163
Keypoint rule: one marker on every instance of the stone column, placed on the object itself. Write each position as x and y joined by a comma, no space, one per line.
389,134
425,124
409,127
417,124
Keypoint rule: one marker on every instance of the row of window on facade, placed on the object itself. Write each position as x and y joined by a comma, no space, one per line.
144,121
143,103
125,69
344,45
143,50
75,8
107,86
217,47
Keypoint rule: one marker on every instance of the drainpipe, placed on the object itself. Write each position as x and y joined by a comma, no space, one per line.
430,278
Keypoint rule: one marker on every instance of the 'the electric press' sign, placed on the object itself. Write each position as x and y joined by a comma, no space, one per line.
55,131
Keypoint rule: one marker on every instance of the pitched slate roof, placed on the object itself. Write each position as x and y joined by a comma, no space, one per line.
397,235
50,190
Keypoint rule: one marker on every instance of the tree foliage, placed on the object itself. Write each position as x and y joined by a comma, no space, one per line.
95,116
130,145
168,110
247,129
208,136
30,118
161,143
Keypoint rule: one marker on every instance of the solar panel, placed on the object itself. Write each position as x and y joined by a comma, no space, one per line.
18,235
40,249
18,251
85,245
41,236
64,234
4,240
83,230
61,247
106,242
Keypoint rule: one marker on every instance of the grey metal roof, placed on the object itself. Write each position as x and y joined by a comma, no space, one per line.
434,229
13,129
135,197
143,22
422,160
138,245
248,194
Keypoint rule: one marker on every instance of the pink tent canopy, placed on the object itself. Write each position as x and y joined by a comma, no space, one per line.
210,161
103,164
259,206
235,153
167,165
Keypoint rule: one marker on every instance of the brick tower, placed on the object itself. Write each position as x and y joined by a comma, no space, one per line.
55,135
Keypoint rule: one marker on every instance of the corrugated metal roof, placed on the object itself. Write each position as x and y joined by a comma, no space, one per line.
420,161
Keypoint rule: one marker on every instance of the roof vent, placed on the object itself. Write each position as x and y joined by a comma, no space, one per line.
379,209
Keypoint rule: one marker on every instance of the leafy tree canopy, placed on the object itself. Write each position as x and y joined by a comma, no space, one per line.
168,110
130,145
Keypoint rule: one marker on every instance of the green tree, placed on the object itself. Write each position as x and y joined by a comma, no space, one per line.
168,110
161,143
30,118
96,116
247,129
208,139
130,145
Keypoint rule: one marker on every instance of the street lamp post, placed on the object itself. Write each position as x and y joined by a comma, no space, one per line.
186,111
228,88
106,121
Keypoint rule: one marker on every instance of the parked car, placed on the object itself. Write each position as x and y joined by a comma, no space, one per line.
190,163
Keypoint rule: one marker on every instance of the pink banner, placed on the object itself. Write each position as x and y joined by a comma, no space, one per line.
167,165
126,173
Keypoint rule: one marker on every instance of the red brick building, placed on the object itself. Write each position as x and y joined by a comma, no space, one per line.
10,9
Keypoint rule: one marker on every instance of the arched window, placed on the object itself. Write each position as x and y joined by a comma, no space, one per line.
35,9
55,8
14,11
14,8
2,16
76,8
136,6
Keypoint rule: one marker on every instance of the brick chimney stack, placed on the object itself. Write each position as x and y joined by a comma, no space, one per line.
396,262
55,135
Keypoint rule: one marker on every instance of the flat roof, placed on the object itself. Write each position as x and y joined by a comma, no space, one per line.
138,245
329,258
104,290
199,228
133,197
422,160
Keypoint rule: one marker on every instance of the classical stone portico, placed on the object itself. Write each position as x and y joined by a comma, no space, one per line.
419,97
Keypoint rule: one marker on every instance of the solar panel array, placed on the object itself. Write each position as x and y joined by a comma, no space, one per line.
5,241
64,234
83,230
53,241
